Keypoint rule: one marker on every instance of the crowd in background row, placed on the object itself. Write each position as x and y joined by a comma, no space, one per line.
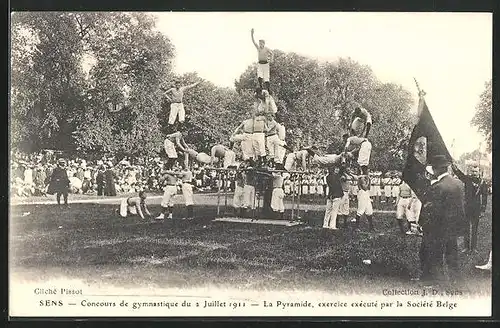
30,175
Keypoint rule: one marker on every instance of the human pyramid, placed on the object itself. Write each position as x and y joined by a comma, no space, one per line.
262,140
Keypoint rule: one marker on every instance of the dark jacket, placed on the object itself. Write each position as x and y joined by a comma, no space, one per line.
59,181
250,178
472,192
484,195
443,210
99,179
334,186
48,174
109,177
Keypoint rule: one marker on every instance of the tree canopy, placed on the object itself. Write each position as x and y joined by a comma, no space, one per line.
482,119
317,100
94,82
70,109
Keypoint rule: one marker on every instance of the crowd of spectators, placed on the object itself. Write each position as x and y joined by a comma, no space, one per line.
30,175
108,176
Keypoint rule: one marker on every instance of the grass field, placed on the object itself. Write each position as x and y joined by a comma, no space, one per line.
88,241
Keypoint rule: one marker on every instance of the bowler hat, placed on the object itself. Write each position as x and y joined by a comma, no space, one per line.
438,161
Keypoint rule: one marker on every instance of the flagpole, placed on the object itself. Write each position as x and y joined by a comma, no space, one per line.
418,87
480,172
453,150
421,94
479,159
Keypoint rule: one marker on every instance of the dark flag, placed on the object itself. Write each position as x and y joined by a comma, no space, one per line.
425,142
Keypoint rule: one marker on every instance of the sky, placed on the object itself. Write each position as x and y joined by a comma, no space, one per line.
450,54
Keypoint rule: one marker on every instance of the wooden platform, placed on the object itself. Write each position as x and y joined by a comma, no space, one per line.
285,223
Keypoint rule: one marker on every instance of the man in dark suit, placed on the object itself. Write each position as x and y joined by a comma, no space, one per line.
473,185
484,195
442,220
59,182
100,180
109,181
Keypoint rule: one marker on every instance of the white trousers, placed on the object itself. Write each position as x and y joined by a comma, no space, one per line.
259,144
170,191
170,149
274,144
187,192
229,159
238,199
402,209
331,212
364,203
358,125
125,208
344,204
277,197
364,153
203,158
395,191
249,196
263,71
290,161
176,109
415,208
280,155
326,160
246,145
375,190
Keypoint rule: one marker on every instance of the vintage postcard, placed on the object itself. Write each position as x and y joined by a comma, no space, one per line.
200,164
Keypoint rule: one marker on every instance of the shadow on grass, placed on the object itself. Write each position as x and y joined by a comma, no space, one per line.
84,237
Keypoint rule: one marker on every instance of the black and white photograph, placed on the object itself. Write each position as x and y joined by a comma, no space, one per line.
242,164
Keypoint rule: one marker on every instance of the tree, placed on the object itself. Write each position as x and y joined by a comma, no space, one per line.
212,113
317,100
47,80
117,104
112,108
475,158
132,63
482,119
296,83
390,106
347,83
